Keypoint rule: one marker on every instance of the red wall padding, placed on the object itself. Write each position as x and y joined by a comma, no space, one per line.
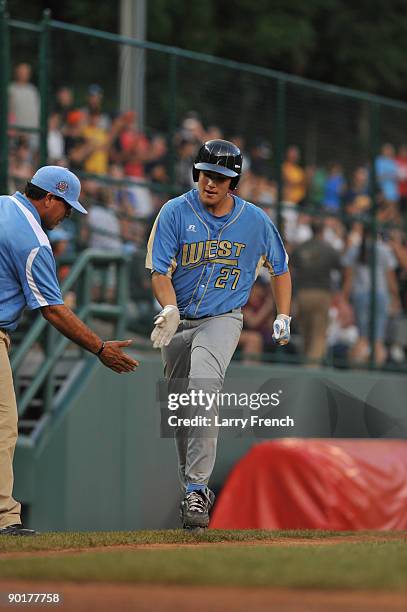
317,484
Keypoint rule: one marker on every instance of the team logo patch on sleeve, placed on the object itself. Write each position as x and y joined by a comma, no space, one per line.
62,186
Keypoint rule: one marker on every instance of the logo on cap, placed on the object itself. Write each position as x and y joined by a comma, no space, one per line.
62,186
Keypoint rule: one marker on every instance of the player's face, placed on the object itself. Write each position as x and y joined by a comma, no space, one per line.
57,211
213,188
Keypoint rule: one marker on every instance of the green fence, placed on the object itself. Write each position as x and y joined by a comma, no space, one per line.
327,122
263,109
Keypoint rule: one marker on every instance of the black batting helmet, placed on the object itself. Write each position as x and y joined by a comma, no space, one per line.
219,156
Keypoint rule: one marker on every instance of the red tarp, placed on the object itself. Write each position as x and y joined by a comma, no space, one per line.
317,484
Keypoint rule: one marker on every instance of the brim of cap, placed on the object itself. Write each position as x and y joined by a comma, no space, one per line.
77,206
215,168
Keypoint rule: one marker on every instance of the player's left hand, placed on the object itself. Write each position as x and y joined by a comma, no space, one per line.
281,329
165,325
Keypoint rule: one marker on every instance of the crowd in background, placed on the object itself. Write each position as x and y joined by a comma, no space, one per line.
325,213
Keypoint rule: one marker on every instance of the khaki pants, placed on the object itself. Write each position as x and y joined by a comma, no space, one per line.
312,315
9,508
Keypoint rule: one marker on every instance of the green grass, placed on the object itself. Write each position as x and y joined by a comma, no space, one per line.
378,564
373,565
61,541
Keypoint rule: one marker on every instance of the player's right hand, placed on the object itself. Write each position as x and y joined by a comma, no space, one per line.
165,325
114,358
281,329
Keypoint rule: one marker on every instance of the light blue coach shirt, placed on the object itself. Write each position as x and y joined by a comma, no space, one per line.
27,266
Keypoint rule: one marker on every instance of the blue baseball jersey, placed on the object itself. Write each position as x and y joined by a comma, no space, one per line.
27,265
213,261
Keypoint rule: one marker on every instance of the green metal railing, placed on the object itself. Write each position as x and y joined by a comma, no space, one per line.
326,121
80,276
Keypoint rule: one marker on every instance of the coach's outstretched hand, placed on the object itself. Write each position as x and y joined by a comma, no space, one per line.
281,329
114,358
165,325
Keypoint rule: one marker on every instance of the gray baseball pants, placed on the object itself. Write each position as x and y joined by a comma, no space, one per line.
197,358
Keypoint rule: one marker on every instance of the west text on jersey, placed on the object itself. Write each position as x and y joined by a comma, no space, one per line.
211,251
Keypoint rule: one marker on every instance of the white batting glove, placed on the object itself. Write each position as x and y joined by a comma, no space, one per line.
165,325
281,329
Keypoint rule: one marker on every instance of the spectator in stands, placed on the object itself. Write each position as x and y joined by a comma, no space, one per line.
401,161
75,145
316,177
103,232
397,243
24,102
20,163
387,175
264,192
96,145
256,184
342,331
260,159
55,140
130,146
357,197
192,129
133,205
334,189
94,106
59,239
186,152
214,133
102,220
333,197
157,171
312,264
294,183
157,157
257,321
357,288
297,227
335,233
247,185
64,103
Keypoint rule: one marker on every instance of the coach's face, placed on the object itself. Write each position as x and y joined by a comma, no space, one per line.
213,188
55,211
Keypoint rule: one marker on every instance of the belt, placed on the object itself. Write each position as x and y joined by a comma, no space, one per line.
209,316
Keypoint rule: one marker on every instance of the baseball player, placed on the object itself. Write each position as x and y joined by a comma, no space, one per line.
28,279
205,250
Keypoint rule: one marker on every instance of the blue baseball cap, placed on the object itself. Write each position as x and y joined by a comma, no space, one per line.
61,182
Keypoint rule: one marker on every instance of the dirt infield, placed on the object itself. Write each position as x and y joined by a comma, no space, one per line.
126,598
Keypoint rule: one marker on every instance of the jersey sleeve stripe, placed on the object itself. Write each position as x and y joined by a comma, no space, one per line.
259,266
30,280
269,267
150,244
35,226
171,268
